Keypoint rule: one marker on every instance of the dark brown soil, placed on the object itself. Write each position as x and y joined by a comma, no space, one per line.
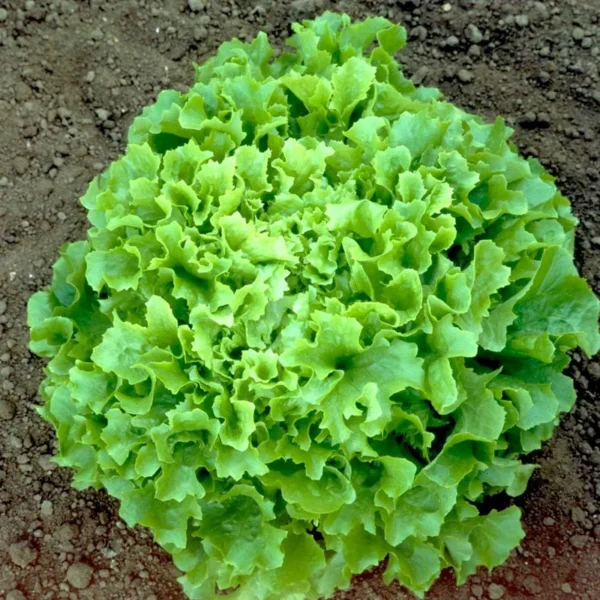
73,74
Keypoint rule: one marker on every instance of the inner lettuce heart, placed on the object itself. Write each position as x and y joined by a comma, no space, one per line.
319,316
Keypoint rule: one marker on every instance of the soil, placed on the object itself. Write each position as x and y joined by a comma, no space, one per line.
72,76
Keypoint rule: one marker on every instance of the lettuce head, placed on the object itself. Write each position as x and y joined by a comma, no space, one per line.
319,316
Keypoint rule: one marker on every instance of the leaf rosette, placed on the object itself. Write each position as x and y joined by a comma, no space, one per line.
319,316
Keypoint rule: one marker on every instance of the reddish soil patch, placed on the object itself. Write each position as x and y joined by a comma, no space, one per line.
72,76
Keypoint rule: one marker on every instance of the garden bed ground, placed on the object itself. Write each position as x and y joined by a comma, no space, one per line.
72,76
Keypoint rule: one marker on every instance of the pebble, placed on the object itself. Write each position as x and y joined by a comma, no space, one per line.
419,32
578,34
566,588
22,554
29,132
22,92
65,533
63,149
15,595
79,575
47,508
20,165
200,33
578,541
45,464
496,591
539,11
465,76
473,34
3,15
8,410
102,114
196,5
304,7
474,51
578,514
452,41
532,584
420,75
522,20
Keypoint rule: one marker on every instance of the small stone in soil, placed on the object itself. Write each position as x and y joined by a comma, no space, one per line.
22,92
473,34
465,76
532,584
20,165
522,20
102,114
22,554
420,75
594,368
578,541
47,508
79,575
496,591
7,410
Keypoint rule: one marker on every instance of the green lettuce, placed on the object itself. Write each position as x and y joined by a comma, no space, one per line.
319,316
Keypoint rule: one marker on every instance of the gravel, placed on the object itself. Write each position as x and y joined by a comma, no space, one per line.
473,34
465,76
22,554
79,575
7,410
496,591
579,541
522,20
196,5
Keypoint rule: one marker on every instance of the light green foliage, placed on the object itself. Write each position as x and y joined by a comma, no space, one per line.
314,298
